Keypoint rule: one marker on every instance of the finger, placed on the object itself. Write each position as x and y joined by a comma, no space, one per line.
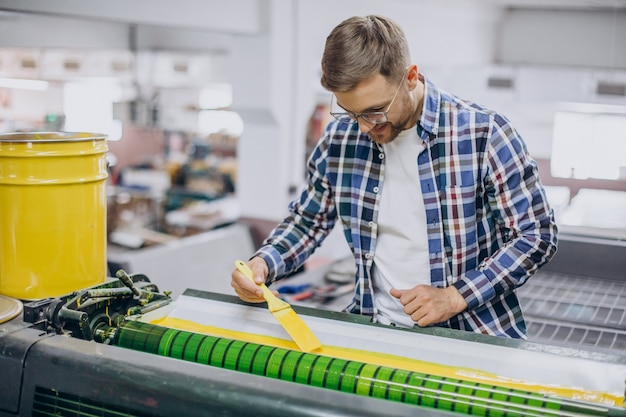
420,317
405,296
255,275
425,321
396,293
248,296
408,296
245,289
259,269
427,317
259,274
412,306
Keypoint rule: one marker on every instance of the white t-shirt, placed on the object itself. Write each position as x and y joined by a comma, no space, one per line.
401,260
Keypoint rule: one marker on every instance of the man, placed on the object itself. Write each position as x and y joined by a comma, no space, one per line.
438,198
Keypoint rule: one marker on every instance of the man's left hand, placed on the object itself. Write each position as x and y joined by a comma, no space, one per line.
430,305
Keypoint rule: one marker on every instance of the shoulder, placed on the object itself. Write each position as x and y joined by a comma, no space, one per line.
443,110
482,118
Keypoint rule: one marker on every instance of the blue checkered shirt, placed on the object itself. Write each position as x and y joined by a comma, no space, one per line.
489,224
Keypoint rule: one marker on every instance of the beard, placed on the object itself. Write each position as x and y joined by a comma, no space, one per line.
387,132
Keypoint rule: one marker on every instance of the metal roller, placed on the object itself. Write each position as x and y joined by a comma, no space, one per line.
456,395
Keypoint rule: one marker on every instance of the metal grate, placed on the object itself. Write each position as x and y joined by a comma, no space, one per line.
575,311
569,335
51,402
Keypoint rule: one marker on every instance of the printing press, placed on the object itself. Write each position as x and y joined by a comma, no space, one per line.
104,350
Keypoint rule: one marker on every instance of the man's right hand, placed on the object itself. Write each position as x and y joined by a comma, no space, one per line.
245,289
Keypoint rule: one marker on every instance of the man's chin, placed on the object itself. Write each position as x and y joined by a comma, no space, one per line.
384,134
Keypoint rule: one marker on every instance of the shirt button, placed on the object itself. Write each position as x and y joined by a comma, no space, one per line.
371,224
381,155
375,189
368,255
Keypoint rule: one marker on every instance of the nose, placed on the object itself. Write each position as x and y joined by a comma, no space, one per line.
365,126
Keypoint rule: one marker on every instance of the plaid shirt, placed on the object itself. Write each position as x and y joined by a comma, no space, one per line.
489,225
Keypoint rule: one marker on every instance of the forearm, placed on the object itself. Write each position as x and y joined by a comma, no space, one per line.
532,243
522,219
508,268
290,244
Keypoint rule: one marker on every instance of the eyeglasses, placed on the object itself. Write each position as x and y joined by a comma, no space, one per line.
375,117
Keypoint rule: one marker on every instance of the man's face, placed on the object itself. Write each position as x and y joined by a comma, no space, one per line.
376,94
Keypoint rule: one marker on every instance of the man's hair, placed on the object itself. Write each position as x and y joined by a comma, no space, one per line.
362,47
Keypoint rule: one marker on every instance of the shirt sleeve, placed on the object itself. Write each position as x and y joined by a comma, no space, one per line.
521,212
310,219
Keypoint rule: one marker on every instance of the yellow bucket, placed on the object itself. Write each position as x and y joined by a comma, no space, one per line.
52,213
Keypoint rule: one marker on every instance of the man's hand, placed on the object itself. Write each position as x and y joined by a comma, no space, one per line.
430,305
245,289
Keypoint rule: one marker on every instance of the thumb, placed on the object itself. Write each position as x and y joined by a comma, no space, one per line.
259,278
396,293
259,274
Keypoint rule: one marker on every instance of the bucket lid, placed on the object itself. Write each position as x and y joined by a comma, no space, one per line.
51,136
9,308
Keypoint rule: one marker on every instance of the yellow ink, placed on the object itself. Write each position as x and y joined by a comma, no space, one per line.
399,362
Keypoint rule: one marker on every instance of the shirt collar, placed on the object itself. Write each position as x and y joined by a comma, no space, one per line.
429,120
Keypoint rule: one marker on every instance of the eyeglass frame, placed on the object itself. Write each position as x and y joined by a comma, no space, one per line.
354,117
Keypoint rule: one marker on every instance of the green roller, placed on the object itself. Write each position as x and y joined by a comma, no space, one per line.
463,397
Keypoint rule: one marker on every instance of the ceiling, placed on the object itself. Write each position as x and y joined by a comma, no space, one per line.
563,4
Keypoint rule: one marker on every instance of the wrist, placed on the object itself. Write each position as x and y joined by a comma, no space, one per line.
458,303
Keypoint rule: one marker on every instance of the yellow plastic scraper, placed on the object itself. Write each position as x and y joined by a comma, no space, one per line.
282,311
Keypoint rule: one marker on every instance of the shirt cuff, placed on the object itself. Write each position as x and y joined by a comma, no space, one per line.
475,288
273,260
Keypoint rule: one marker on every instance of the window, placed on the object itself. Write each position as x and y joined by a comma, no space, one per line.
214,116
88,107
589,144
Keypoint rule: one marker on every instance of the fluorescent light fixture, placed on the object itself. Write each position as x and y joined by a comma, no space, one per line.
23,84
592,108
216,96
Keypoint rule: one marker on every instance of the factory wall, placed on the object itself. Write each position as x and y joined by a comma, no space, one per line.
461,46
297,32
269,50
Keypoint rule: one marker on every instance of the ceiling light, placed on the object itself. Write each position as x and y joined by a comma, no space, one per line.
24,84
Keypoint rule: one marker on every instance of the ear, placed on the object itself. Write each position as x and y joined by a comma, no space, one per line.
413,77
